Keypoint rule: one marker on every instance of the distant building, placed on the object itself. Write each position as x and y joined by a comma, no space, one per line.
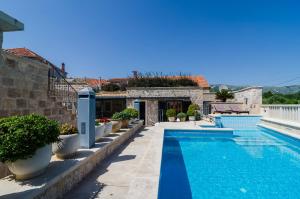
80,83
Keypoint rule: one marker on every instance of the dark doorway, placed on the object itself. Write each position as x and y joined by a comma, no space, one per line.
178,105
107,107
143,112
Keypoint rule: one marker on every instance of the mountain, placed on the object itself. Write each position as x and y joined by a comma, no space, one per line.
274,89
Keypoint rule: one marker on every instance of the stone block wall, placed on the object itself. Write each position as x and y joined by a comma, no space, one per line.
194,93
251,98
152,95
24,90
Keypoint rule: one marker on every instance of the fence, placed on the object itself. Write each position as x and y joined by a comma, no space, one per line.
283,112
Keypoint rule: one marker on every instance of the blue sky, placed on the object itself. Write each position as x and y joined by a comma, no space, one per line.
233,42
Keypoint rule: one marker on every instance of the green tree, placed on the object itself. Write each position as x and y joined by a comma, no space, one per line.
224,94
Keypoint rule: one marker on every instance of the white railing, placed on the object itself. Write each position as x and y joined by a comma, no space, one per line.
283,112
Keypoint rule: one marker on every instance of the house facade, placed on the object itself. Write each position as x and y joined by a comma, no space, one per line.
152,102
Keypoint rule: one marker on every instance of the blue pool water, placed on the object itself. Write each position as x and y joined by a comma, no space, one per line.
253,163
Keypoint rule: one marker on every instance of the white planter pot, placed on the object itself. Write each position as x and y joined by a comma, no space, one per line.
171,119
31,167
68,145
192,118
108,128
99,131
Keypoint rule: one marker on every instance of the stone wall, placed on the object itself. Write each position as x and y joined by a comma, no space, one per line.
151,96
23,88
194,93
251,98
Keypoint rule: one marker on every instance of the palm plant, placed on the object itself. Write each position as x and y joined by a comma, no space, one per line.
224,94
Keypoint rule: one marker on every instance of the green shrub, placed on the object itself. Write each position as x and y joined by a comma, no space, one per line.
191,112
111,87
160,80
21,136
181,115
121,116
132,112
194,107
171,113
68,129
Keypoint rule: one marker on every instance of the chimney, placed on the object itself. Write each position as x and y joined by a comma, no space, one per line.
63,68
135,73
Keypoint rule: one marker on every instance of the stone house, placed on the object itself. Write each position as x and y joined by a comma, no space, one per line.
153,101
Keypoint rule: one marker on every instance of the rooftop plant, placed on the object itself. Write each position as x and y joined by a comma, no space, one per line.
132,112
111,87
21,136
160,80
171,113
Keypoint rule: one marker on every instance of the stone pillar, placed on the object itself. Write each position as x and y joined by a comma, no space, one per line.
86,117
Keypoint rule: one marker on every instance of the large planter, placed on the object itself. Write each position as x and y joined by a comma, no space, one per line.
116,125
31,167
99,131
108,128
171,119
125,123
192,118
68,145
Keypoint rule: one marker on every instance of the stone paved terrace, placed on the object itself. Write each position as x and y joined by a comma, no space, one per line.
132,172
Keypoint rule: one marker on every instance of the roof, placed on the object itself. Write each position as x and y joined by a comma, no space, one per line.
24,52
95,82
200,80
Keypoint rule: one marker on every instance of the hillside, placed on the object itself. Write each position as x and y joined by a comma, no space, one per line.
279,89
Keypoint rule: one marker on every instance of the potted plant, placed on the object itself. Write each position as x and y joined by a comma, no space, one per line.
171,114
192,111
69,141
134,114
116,123
99,130
26,144
107,125
123,117
181,116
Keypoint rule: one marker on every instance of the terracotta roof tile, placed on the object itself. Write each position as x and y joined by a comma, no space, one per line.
24,52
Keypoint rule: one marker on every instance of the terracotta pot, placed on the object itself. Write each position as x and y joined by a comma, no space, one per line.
31,167
116,125
125,123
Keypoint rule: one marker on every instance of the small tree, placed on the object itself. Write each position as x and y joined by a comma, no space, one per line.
224,95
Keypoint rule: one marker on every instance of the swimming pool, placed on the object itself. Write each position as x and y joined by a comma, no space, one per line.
250,163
